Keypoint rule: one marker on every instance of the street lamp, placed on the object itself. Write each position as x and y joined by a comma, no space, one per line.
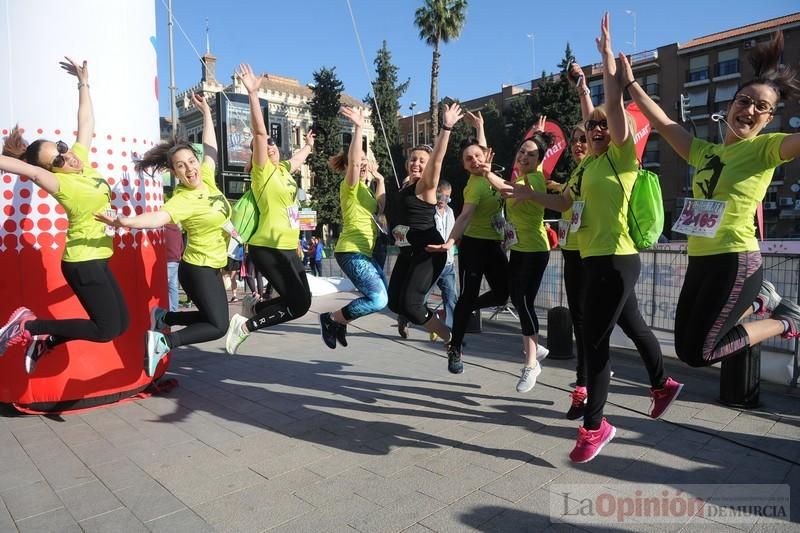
532,37
413,125
632,13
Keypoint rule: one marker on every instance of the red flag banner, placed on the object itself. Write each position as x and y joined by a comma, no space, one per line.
553,154
642,129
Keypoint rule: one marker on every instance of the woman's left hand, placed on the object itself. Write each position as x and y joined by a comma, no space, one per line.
79,71
200,103
108,220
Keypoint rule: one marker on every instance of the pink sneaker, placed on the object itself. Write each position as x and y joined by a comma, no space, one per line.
661,399
591,441
14,331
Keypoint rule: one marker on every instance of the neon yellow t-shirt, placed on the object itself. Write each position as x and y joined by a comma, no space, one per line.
82,195
738,174
276,195
487,204
604,222
359,229
202,212
574,185
528,218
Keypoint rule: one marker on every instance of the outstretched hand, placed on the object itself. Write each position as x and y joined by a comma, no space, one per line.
105,219
604,41
200,103
474,119
311,138
250,81
625,72
517,190
452,114
439,248
540,124
79,71
356,116
486,168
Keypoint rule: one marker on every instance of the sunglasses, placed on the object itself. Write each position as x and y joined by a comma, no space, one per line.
762,106
592,124
580,139
58,161
271,142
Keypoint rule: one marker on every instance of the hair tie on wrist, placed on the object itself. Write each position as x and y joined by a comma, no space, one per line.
628,85
446,128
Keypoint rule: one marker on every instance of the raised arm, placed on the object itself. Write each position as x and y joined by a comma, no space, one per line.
85,108
156,219
460,226
615,111
252,82
430,176
476,121
209,135
584,95
380,185
302,154
678,138
521,191
41,177
355,152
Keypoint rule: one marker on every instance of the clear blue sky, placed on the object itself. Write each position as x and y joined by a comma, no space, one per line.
294,38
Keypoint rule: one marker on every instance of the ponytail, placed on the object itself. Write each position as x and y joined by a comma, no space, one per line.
338,162
17,147
765,60
159,158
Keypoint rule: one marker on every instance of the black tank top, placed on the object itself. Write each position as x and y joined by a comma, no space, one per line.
418,213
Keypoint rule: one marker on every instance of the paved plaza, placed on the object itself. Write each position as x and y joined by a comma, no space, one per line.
291,436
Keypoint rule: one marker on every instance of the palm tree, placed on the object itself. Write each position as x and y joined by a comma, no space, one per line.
439,21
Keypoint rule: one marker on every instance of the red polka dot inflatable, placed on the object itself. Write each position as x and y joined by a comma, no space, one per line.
43,100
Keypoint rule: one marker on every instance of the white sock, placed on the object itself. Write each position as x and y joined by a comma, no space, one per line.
756,306
786,326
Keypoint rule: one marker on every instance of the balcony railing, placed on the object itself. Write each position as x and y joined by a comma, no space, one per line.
697,74
724,68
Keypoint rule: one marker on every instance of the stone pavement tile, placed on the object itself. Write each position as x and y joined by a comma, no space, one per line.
786,428
384,491
471,511
297,457
252,509
348,509
33,434
24,473
314,522
31,500
457,485
257,448
193,487
520,482
120,474
717,413
116,430
88,500
744,425
77,434
96,452
294,480
67,471
332,490
532,513
119,521
57,521
205,430
183,521
148,501
47,448
448,461
402,513
398,459
6,521
417,528
337,463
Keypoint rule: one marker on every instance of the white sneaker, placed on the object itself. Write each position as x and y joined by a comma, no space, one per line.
157,315
235,335
528,378
249,305
541,352
156,348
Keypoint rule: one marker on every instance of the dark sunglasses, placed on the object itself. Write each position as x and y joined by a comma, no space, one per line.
592,124
58,161
271,141
580,139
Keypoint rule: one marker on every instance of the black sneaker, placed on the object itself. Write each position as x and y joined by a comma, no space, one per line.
454,364
328,330
402,326
578,404
790,312
341,334
36,349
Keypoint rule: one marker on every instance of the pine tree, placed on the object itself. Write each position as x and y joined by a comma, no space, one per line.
325,114
387,95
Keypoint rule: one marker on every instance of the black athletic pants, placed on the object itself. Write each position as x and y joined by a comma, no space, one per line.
285,273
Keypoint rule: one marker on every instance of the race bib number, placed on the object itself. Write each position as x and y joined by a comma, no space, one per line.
563,231
229,228
577,213
509,236
499,223
294,216
110,230
400,234
700,218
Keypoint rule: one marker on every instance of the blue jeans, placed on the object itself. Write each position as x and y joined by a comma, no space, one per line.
447,284
368,278
172,282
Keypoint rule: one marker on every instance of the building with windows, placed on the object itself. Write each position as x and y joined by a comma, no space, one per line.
707,70
285,104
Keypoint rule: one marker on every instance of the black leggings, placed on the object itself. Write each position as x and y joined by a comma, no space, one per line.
413,275
285,272
610,282
716,292
97,290
478,258
204,287
525,272
253,279
575,287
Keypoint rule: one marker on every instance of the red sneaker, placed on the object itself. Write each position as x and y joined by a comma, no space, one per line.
661,399
591,441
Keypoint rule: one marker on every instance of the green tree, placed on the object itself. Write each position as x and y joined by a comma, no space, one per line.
387,100
439,21
325,114
494,125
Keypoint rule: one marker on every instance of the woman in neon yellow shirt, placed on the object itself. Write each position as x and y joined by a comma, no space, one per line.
203,211
724,279
273,246
359,231
67,175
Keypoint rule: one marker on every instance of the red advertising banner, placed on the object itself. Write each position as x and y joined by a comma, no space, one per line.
553,154
642,129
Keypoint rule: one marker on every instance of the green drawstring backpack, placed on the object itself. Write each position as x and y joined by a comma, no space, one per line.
645,208
244,215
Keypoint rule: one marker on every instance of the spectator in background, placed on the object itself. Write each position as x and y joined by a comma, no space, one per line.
315,256
305,248
174,239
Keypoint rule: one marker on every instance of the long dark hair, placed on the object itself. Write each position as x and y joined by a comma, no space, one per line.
765,59
543,141
17,147
159,158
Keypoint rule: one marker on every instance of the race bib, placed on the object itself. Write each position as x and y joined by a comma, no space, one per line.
400,233
700,218
380,221
294,216
231,230
509,236
110,230
577,213
563,231
499,223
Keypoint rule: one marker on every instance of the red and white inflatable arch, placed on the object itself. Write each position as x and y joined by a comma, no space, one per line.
118,41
